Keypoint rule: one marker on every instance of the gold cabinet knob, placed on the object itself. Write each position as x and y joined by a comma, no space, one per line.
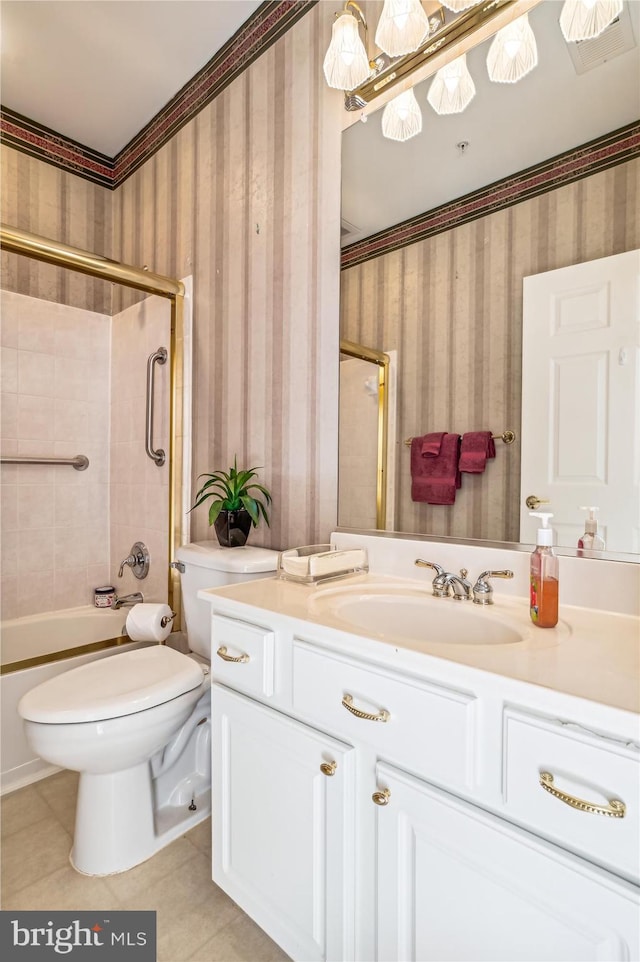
328,768
381,797
534,502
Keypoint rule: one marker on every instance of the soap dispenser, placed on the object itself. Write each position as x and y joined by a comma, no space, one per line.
591,540
544,576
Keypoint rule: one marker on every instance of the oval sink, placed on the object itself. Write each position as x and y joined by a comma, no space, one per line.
403,613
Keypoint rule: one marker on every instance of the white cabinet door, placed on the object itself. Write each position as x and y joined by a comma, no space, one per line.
456,883
283,830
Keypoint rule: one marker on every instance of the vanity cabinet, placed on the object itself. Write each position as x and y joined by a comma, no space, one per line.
456,882
372,807
283,844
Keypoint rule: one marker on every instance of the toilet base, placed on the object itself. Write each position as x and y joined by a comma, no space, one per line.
116,825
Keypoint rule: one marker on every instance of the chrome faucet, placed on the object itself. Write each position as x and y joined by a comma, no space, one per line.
483,591
445,583
137,560
127,601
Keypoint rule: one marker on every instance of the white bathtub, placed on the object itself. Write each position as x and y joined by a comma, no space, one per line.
34,649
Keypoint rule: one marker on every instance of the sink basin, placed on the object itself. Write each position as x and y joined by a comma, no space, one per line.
404,613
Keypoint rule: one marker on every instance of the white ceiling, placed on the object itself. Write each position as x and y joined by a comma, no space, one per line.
98,70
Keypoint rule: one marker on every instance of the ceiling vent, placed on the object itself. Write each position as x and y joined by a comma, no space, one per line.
615,40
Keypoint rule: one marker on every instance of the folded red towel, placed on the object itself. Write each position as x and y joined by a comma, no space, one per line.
431,444
476,447
434,479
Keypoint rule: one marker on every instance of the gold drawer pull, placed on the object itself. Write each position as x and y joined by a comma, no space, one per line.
381,716
382,797
615,808
222,653
328,768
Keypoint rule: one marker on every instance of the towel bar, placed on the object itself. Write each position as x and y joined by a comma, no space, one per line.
507,436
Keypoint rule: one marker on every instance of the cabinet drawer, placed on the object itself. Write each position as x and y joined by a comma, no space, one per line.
242,655
426,728
583,773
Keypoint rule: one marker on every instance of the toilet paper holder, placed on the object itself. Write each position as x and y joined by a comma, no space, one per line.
167,619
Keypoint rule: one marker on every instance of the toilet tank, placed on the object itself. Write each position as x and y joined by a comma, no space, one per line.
207,565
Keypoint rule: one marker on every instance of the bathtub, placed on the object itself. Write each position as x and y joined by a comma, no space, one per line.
34,649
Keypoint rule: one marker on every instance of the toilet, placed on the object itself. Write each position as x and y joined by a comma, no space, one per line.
136,726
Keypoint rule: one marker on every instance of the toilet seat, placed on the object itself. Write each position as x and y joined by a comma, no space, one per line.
132,682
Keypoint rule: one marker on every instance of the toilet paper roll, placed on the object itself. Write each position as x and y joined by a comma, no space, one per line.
144,622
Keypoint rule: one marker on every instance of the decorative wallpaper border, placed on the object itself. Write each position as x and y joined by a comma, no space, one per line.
265,27
608,151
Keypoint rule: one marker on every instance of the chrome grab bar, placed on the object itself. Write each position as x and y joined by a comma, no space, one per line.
158,357
80,462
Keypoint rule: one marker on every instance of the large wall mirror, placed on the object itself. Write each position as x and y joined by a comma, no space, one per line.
447,304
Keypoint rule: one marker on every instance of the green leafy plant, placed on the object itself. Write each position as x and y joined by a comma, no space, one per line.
231,490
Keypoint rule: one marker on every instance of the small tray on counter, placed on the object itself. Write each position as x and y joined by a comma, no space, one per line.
317,563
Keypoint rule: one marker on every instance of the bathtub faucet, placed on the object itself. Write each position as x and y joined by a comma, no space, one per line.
128,600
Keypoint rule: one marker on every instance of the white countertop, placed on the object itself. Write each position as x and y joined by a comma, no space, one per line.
590,654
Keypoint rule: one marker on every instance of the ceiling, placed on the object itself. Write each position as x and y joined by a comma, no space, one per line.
508,127
97,71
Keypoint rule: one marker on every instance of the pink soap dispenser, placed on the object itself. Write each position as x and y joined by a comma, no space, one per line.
591,540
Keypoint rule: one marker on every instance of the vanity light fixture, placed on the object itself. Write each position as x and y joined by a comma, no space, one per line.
346,64
586,19
452,88
402,27
513,52
402,117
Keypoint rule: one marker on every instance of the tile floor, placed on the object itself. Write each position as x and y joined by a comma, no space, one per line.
196,921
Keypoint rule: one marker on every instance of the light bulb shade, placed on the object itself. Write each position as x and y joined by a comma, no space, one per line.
586,19
452,88
402,27
346,64
513,52
402,117
459,5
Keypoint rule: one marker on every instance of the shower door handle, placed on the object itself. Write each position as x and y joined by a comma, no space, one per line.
158,357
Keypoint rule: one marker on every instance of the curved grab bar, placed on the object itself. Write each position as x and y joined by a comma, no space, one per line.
158,357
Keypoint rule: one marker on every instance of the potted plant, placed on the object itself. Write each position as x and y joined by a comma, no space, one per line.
237,503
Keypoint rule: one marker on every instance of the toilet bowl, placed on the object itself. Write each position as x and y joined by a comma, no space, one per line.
137,727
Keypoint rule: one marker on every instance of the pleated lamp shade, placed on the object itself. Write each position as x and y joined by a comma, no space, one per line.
402,27
452,88
513,52
402,117
346,64
585,19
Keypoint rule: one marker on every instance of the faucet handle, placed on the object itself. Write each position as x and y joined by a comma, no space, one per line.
483,591
429,564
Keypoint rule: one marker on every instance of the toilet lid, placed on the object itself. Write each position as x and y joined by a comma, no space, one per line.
111,687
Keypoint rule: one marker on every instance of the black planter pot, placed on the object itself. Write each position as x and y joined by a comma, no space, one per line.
232,528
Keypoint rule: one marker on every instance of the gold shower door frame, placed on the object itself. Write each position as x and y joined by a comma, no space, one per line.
84,262
381,360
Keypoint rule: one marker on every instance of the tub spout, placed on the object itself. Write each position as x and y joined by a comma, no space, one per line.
128,600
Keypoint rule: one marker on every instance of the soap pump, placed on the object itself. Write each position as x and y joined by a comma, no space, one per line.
544,571
591,540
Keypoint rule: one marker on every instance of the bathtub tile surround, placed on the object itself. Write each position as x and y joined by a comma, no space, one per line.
55,394
196,921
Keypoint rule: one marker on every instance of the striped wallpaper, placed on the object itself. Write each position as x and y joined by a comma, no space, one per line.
246,198
451,305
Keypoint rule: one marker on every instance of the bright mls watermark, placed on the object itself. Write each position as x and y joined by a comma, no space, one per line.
78,936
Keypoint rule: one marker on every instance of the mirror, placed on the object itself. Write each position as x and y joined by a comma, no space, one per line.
450,303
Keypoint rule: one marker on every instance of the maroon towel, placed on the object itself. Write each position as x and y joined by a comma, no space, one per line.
434,479
476,447
431,444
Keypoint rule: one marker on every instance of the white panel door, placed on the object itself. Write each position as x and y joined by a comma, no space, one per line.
580,396
456,883
283,836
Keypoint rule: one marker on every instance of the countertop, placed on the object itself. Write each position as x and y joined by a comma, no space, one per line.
590,654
